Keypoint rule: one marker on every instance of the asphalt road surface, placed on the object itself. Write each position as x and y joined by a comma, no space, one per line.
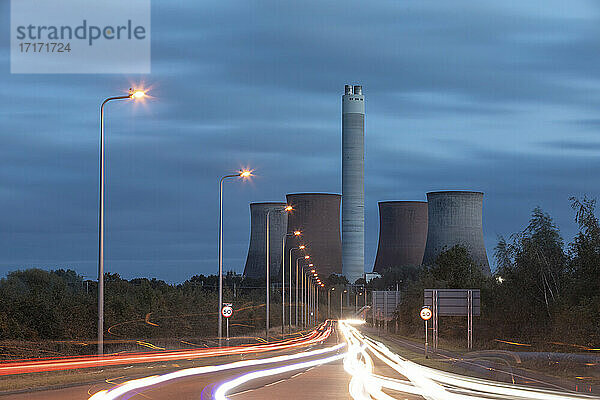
342,363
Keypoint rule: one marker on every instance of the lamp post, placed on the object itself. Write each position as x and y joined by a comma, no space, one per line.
241,174
316,286
317,313
303,298
268,255
342,303
306,257
312,302
329,302
306,299
311,297
301,247
360,294
297,274
305,295
133,94
295,233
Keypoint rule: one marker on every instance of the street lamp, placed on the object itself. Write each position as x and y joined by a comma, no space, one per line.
134,95
244,174
301,247
296,233
341,303
316,285
329,302
306,257
360,294
296,298
286,209
311,276
297,267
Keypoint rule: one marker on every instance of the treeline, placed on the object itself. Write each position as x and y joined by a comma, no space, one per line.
36,304
543,293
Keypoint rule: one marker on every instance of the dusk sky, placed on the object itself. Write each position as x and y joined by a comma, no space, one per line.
495,96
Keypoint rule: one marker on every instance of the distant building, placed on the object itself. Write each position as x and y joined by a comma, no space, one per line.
353,183
317,215
402,234
256,262
455,218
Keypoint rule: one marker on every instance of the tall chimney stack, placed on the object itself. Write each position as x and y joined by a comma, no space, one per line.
353,183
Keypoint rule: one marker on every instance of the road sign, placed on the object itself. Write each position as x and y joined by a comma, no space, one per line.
385,303
454,302
227,310
426,313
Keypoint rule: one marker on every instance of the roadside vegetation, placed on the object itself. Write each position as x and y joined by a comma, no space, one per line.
544,296
54,313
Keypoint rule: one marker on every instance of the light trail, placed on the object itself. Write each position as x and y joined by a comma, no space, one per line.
147,382
430,383
54,364
220,393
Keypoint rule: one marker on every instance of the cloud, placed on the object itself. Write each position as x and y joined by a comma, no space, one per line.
460,95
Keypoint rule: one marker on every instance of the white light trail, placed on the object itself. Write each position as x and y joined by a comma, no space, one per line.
221,392
430,383
137,384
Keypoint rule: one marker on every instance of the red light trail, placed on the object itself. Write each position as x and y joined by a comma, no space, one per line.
60,364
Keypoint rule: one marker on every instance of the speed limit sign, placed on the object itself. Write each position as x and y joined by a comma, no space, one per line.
426,313
227,310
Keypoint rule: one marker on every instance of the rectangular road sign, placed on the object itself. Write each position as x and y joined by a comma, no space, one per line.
454,302
385,303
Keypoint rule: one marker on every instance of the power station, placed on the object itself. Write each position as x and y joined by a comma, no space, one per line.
353,183
402,234
411,233
317,216
256,261
455,218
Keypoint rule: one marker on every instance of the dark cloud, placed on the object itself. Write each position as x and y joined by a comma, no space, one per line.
489,96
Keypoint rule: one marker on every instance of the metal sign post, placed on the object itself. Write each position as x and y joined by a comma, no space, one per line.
384,306
469,319
426,316
435,319
453,302
227,312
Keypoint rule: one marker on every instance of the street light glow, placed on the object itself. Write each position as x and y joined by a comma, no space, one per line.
306,257
302,247
245,173
136,94
312,270
298,233
290,208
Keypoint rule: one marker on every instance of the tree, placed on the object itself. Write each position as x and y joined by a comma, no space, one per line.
531,276
585,252
455,269
335,280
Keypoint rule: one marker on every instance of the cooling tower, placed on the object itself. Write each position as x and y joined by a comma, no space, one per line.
317,215
455,218
256,261
353,183
402,234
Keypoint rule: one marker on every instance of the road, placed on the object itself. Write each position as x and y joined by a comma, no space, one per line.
201,382
342,363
